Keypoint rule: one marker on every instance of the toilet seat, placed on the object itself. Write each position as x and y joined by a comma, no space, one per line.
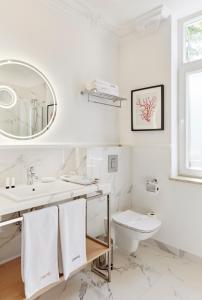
137,221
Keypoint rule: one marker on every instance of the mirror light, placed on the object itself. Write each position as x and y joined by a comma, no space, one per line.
12,94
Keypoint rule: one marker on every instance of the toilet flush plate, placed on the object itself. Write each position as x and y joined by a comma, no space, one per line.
112,163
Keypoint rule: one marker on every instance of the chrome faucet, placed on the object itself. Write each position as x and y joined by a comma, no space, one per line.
31,175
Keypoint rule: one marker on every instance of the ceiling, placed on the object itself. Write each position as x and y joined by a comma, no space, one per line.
122,11
119,13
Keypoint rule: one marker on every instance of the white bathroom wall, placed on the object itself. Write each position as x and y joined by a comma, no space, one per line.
96,163
121,183
70,50
145,61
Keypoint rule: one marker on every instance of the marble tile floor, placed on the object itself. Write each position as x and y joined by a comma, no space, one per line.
154,274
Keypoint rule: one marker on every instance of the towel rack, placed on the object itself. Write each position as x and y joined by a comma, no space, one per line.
103,98
19,219
98,195
12,221
95,249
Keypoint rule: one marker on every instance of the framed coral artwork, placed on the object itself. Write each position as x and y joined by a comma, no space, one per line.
147,108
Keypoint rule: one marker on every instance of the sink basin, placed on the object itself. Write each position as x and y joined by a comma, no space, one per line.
27,192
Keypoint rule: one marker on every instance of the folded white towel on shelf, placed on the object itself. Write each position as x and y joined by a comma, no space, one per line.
103,87
109,91
106,84
72,222
39,258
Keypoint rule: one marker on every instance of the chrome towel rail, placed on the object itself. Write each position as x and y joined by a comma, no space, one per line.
12,221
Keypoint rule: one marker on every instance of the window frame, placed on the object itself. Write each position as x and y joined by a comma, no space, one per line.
184,69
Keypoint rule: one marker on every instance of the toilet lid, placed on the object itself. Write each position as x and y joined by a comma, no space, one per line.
137,221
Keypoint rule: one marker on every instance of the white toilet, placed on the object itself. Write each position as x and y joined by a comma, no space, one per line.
130,228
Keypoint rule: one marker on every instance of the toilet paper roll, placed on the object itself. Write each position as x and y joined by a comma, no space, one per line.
151,214
152,186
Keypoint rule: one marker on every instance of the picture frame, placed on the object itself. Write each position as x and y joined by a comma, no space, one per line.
147,108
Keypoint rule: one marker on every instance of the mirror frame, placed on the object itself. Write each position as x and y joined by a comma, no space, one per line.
19,62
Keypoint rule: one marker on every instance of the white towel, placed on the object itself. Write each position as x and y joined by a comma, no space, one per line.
39,259
104,84
72,220
103,87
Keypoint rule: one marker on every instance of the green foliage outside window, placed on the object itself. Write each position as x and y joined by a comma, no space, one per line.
194,41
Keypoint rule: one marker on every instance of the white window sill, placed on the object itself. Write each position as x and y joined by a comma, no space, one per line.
186,179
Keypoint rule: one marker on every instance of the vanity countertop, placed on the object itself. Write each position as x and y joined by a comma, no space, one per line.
8,206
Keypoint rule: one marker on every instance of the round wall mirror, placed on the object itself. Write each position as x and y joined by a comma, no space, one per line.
27,101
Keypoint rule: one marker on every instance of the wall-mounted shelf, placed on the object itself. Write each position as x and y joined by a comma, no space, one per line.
12,286
102,98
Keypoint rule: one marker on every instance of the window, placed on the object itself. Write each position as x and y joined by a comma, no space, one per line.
190,96
193,40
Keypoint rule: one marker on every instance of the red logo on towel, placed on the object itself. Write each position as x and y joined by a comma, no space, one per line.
45,275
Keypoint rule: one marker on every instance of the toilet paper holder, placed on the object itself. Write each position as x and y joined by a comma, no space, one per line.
152,185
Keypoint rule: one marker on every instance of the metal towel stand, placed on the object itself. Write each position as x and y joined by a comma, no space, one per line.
107,244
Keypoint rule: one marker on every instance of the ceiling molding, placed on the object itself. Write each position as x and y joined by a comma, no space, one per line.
152,19
147,22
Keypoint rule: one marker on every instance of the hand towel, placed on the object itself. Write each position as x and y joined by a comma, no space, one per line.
39,258
103,87
72,222
104,84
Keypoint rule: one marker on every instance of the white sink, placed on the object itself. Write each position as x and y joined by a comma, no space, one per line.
27,192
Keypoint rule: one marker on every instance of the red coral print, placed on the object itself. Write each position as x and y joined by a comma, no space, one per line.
147,107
